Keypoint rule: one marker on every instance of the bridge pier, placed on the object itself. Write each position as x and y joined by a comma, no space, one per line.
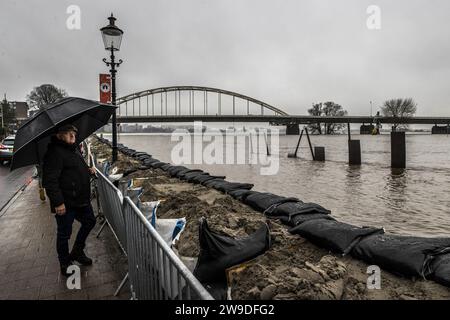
292,129
398,150
354,149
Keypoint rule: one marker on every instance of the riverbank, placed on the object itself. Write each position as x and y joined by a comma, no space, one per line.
292,268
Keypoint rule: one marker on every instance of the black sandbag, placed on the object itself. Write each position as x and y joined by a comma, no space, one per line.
219,252
218,290
297,219
441,267
227,186
175,169
140,154
241,194
143,156
182,173
192,177
262,201
406,255
188,176
203,178
150,161
212,182
158,164
166,167
294,208
333,235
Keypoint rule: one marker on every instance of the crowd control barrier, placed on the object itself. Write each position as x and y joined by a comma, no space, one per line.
154,270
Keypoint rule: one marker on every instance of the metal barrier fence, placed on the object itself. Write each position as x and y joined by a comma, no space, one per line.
111,202
155,271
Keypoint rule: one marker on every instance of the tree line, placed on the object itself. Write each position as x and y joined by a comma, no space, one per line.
38,98
396,108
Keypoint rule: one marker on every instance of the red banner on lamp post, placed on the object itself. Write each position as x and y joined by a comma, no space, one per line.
105,88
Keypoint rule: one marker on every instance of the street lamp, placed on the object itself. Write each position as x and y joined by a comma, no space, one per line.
112,37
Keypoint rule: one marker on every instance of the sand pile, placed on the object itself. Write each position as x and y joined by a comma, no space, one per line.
292,268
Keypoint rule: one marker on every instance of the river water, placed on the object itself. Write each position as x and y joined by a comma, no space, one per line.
414,201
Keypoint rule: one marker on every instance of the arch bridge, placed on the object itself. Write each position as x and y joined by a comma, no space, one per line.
191,100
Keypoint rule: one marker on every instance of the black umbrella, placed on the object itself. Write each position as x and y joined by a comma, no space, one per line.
33,137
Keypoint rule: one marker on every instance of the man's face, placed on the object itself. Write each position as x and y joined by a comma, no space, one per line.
67,137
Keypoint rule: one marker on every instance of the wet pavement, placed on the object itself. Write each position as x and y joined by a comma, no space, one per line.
29,267
11,182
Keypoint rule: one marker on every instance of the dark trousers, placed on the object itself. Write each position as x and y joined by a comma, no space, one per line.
85,215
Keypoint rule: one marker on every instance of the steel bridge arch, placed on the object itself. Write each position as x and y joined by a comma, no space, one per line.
149,92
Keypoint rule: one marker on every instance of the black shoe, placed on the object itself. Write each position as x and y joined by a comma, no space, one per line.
64,270
78,255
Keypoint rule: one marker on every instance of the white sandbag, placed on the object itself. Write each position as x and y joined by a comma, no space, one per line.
148,209
134,194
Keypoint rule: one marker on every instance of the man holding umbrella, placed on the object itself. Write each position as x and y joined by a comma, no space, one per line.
47,140
66,179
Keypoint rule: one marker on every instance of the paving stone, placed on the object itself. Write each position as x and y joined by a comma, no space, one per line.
29,267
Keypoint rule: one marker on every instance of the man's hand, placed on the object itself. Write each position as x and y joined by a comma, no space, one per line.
60,210
92,170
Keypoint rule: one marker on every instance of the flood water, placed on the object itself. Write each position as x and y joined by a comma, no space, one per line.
414,201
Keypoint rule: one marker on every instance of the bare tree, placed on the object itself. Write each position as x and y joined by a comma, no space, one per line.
327,109
399,108
45,94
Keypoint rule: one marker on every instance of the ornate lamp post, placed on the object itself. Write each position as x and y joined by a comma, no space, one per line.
112,37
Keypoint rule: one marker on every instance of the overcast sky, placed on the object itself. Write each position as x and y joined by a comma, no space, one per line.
288,53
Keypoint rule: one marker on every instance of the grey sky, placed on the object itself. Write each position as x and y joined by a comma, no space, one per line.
287,53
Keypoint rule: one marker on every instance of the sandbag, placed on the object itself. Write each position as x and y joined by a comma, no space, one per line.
333,235
441,267
159,164
188,176
192,177
134,194
166,166
150,161
218,252
148,209
241,194
181,174
175,169
138,155
262,201
290,209
227,186
212,182
297,219
406,255
203,178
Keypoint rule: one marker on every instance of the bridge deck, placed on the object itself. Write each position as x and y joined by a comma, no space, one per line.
282,120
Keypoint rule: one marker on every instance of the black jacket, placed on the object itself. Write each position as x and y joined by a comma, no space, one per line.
65,175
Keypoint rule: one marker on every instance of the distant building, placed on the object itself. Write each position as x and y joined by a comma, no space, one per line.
32,111
21,110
